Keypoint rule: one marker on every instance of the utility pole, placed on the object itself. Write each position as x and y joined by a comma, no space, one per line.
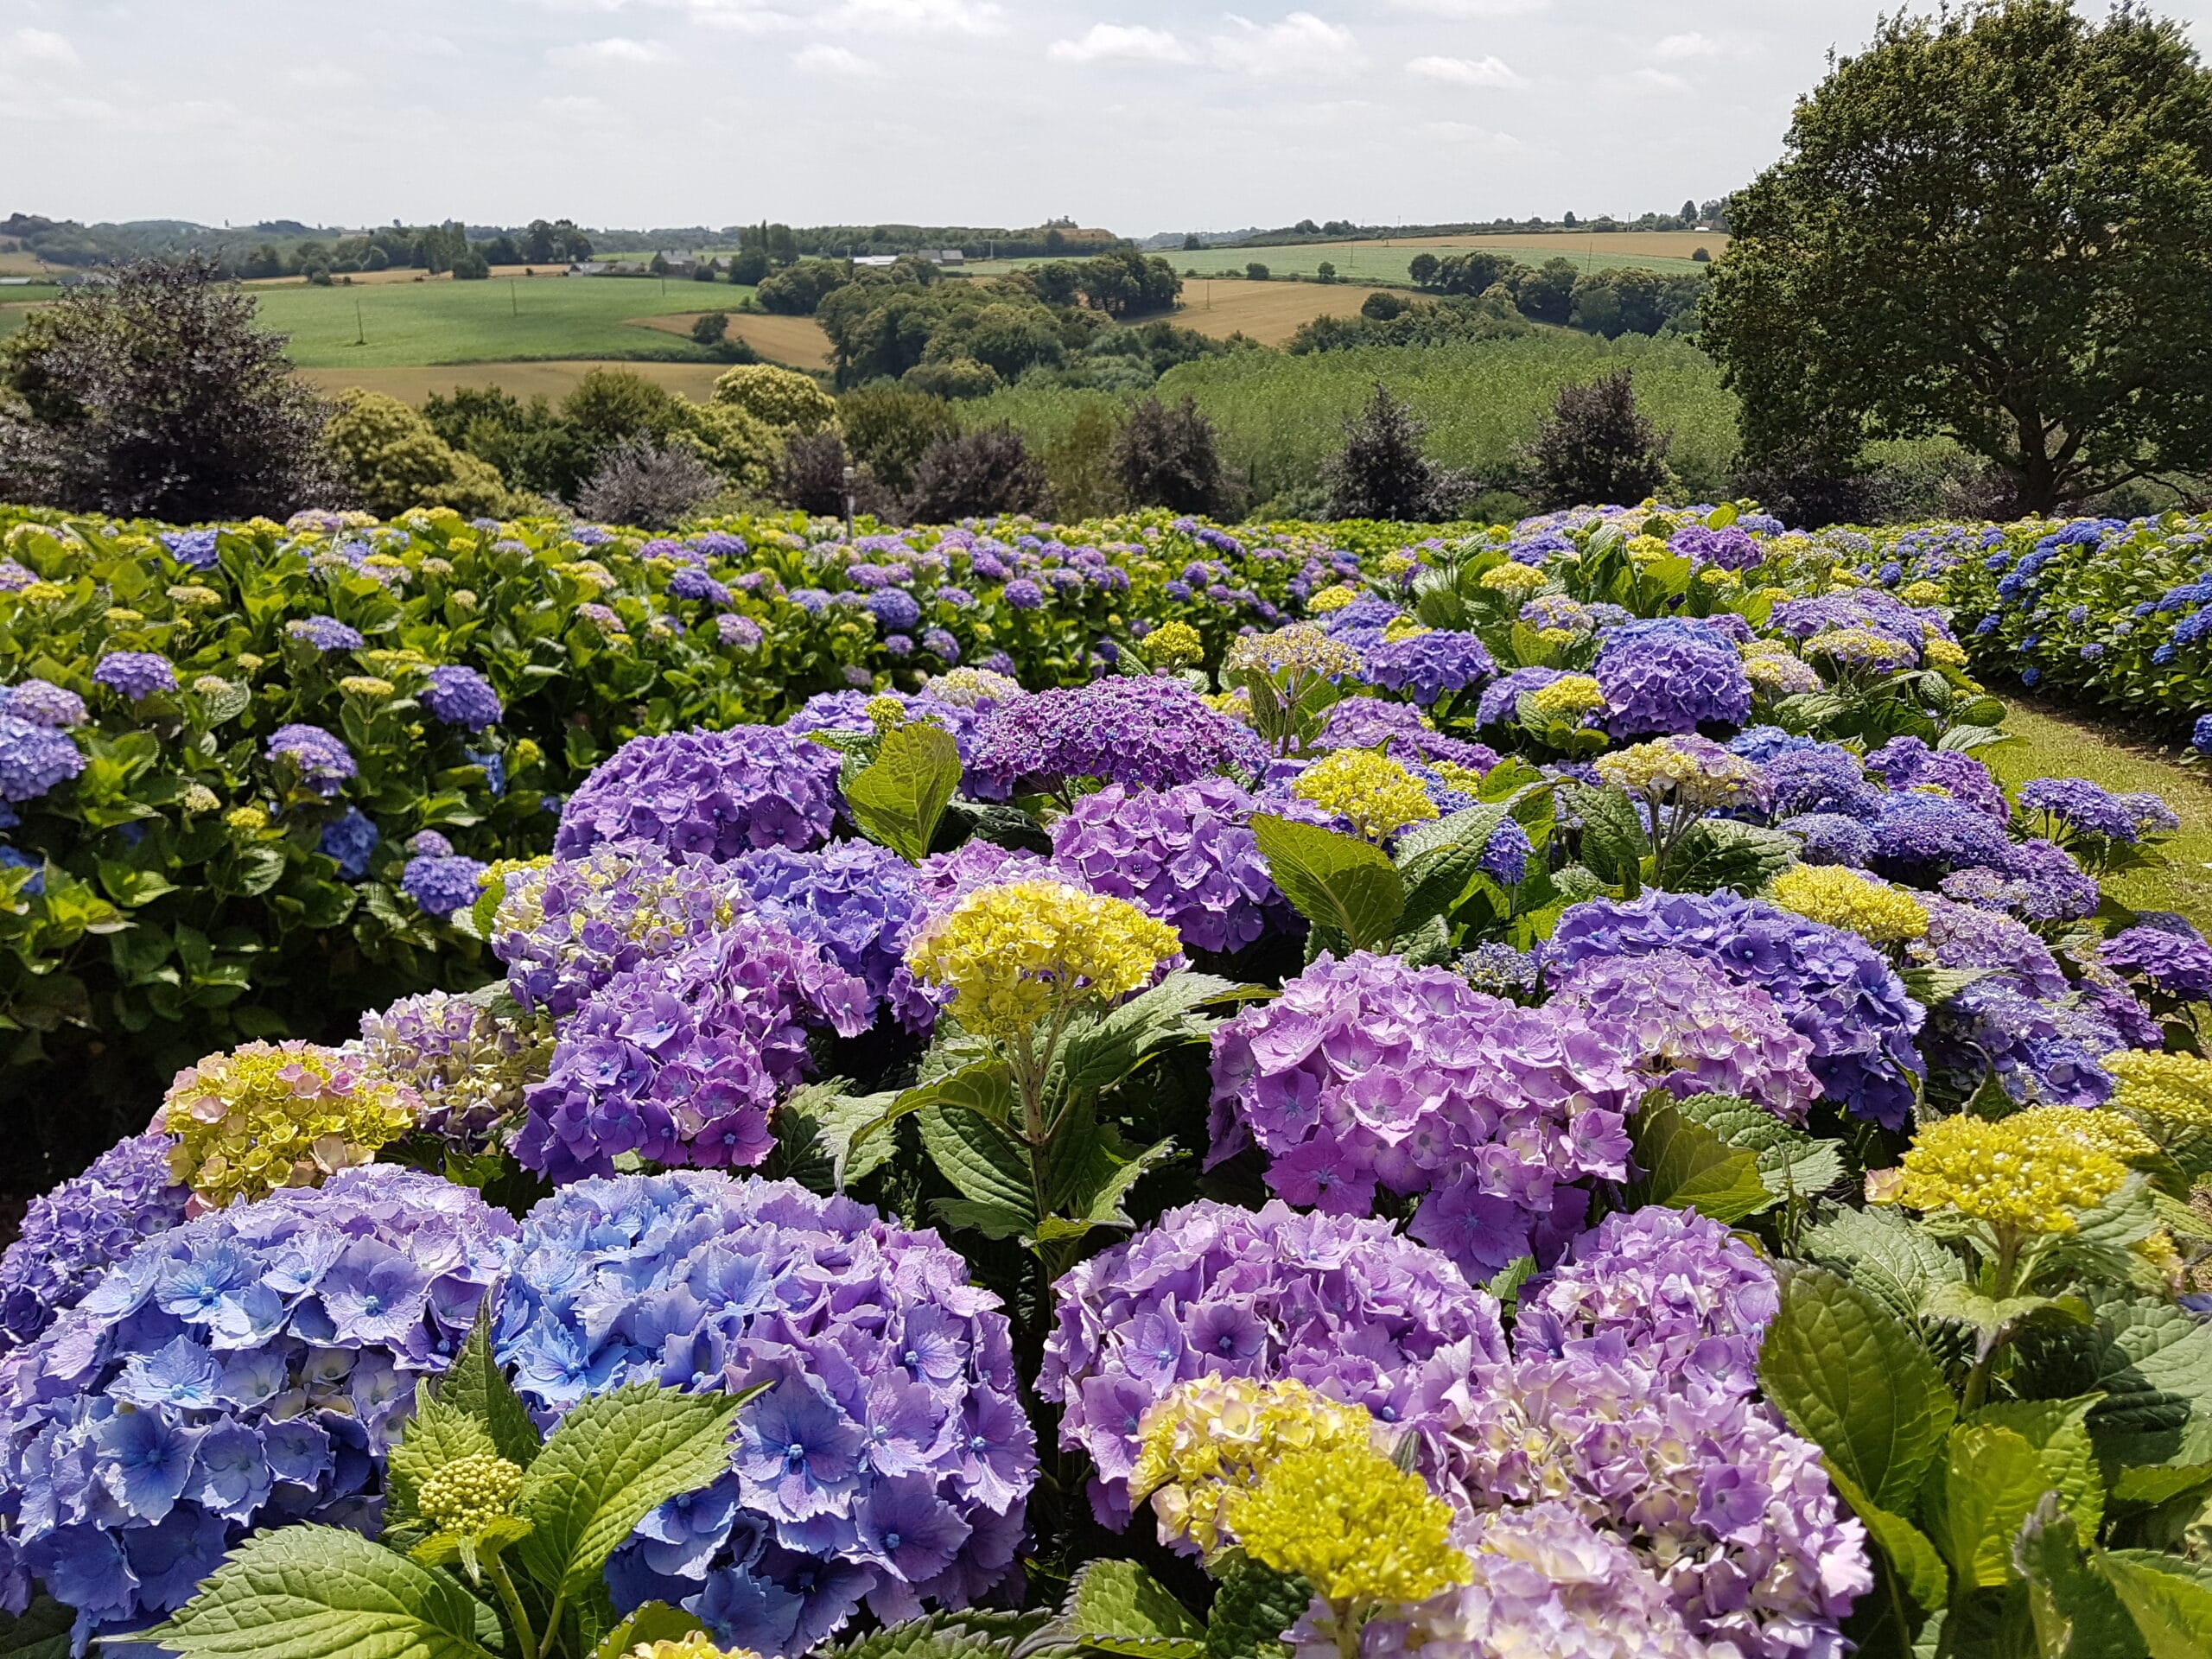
849,477
361,328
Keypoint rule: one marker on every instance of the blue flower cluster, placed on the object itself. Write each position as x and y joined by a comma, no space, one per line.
859,903
721,793
72,1235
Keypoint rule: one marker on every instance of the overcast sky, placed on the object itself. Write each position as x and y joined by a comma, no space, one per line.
1132,114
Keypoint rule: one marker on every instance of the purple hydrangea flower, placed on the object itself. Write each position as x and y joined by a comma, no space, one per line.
860,904
1429,666
1830,838
467,1067
1827,777
890,1461
1921,837
1370,1072
1149,732
252,1365
1185,855
350,838
324,763
1964,936
2200,734
429,843
1023,594
1501,698
721,793
895,610
136,674
682,1058
944,879
2042,1054
324,634
1670,677
941,645
2173,965
461,696
194,549
72,1235
1728,548
1832,987
34,758
441,883
689,583
1400,730
43,703
1761,744
2038,881
1905,763
567,930
2079,807
1347,1306
741,632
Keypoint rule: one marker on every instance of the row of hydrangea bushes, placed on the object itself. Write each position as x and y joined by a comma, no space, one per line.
1553,1105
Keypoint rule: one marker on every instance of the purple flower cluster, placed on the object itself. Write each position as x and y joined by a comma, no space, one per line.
1347,1306
324,634
1185,855
325,764
2042,1054
72,1235
1371,1073
1834,989
1425,667
1670,677
1501,698
1681,1024
1728,548
43,703
944,879
1825,778
1963,936
1905,763
2038,881
682,1058
565,930
34,758
2174,965
2079,807
194,549
1400,731
860,904
1920,838
440,883
1831,838
461,696
890,1460
721,793
136,674
245,1369
350,838
1149,732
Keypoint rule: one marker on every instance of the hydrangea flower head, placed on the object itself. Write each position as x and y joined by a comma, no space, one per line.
1009,953
466,1494
1373,793
1185,855
1176,645
1570,697
1400,731
2034,1172
1669,676
136,674
267,1116
859,903
466,1068
1299,649
1905,763
461,696
2173,965
1883,916
2166,1087
1365,1533
325,634
441,883
34,758
71,1235
1693,772
324,763
2081,807
974,687
1427,667
1147,731
567,926
720,794
43,703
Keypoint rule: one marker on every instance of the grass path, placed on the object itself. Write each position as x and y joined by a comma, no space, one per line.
2048,743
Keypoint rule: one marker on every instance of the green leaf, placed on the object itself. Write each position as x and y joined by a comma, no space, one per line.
989,1163
40,1631
475,1384
1101,1054
1853,1379
615,1458
1253,1607
898,797
984,1087
1437,860
323,1593
1882,1251
1115,1606
1991,1318
1918,1565
435,1435
1613,840
654,1622
1930,987
1087,1190
1336,881
2056,1429
2075,1614
2147,1488
1717,853
1990,1481
1688,1166
1790,1161
971,1633
2153,1362
2169,1598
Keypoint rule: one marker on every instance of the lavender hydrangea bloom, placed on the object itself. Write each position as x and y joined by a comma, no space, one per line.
1347,1306
324,634
324,763
194,549
2200,734
1185,855
847,711
1964,936
72,1235
2082,807
1905,763
1827,778
567,930
350,838
889,1462
1669,678
1023,595
2042,1054
136,674
1728,548
895,610
43,703
461,696
441,883
1832,988
682,1058
1370,1072
1830,838
2172,965
468,1068
721,793
859,903
1149,732
1921,837
1761,744
249,1366
2038,881
1683,1293
34,758
1425,667
1682,1025
1400,730
944,879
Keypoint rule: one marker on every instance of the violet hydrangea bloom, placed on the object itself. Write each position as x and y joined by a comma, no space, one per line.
1726,548
2038,881
847,711
248,1367
350,838
1501,699
2079,807
1185,855
721,793
194,549
1964,936
944,879
1400,731
859,903
43,703
682,1058
136,674
890,1461
324,634
34,758
1922,837
1667,677
1827,777
325,764
1905,763
1832,987
72,1235
1148,731
2172,965
1347,1307
565,930
468,1068
1681,1024
1370,1072
1830,838
1427,667
2042,1054
441,883
461,696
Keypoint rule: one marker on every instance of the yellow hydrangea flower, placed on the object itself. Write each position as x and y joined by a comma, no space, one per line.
1331,599
1922,594
1215,1435
189,595
367,685
1513,577
1352,1524
698,1645
1010,953
1943,653
1396,564
2036,1171
885,714
1568,697
1880,914
266,1116
1403,627
247,820
2177,1088
1301,648
1176,644
1378,795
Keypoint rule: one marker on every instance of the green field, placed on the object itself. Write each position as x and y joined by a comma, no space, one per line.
1282,416
1386,263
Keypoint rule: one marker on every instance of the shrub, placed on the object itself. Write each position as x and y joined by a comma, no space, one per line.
1381,473
977,474
1079,464
782,397
1172,458
954,377
654,488
1384,307
811,476
709,328
1256,272
393,460
1597,447
156,394
889,428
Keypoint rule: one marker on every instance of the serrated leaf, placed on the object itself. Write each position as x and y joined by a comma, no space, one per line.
985,1087
1118,1606
989,1165
1918,1565
434,1436
1101,1054
2147,1488
2057,1430
1251,1610
2169,1598
2153,1362
1853,1379
1931,986
1881,1250
970,1634
310,1592
474,1384
615,1458
1613,839
898,797
1790,1161
1685,1166
2075,1614
1337,882
1717,853
1990,1479
1087,1190
1991,1317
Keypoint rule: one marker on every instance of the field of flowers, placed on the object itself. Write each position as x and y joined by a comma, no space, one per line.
1144,1089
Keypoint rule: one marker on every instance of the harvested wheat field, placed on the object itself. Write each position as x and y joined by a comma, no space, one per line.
796,342
1269,312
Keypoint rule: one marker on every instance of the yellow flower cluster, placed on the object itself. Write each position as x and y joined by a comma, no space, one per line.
1568,697
1401,627
588,573
468,1494
189,595
1512,578
367,685
1880,913
885,714
1922,594
698,1645
1177,645
1352,1524
247,820
1301,648
198,797
268,1115
1466,779
1663,768
1716,576
1645,549
2034,1173
1396,564
1010,953
1215,1435
1378,795
1943,653
965,688
2176,1087
1331,599
1557,638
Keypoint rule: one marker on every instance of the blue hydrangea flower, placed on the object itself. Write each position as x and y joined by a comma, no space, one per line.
441,883
136,674
34,758
461,696
195,549
324,763
350,838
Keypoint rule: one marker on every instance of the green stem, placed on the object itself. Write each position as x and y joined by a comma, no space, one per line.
496,1570
2008,1259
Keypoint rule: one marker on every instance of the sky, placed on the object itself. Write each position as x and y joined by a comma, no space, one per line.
1131,114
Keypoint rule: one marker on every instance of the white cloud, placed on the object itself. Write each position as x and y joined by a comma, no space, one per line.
616,49
822,59
1120,43
1300,45
1465,71
1682,49
1467,134
919,17
1659,80
38,46
1461,11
